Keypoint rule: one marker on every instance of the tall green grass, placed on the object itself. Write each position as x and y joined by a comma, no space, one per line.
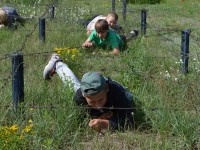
150,68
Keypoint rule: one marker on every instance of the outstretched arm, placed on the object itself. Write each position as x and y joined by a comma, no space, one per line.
89,32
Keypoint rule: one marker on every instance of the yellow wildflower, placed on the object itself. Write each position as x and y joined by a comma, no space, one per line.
27,128
14,127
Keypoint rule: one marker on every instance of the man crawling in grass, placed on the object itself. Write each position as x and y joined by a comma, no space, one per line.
107,101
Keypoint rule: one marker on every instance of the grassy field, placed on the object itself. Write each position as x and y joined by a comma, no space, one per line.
150,68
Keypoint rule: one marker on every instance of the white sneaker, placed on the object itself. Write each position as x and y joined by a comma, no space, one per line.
50,68
135,32
132,35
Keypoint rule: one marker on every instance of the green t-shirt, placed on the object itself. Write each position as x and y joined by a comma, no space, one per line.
112,40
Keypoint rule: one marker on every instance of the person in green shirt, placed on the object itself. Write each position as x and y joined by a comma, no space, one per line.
104,37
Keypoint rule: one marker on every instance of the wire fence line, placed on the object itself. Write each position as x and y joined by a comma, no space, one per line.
156,35
46,53
9,55
174,54
165,30
31,32
159,34
37,53
105,108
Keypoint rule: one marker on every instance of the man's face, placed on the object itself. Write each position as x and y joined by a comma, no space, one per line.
111,22
102,35
97,101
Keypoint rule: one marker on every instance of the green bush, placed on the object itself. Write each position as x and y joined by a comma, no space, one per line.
145,1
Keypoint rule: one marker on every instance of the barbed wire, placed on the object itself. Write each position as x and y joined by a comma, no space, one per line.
9,55
166,30
31,32
105,108
89,56
158,34
56,30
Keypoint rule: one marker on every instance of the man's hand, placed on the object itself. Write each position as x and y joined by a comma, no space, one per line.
87,44
99,124
115,51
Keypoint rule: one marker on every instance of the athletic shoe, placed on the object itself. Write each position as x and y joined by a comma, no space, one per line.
50,68
132,34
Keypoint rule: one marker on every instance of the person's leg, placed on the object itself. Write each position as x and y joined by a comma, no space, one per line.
118,29
85,22
90,19
18,18
55,65
123,38
67,76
